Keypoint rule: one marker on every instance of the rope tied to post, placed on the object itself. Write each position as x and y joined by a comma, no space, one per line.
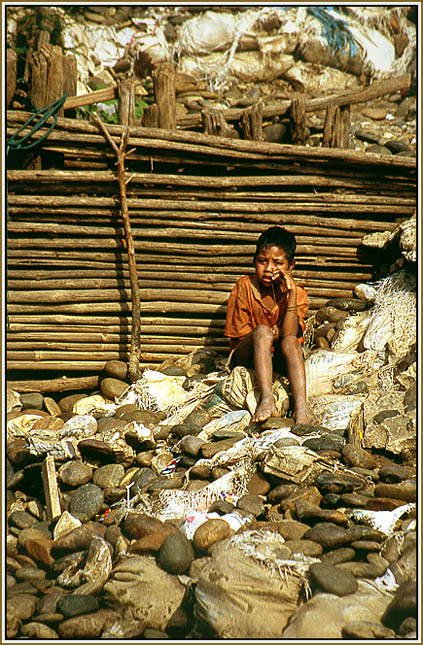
47,112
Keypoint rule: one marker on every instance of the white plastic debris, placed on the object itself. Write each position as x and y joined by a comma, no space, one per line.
235,421
79,426
196,519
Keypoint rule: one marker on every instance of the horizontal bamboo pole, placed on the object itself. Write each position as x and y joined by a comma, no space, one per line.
173,248
27,366
194,294
164,232
148,343
150,307
59,384
233,215
40,257
201,200
104,321
170,290
63,177
90,334
56,365
54,278
39,356
165,281
308,227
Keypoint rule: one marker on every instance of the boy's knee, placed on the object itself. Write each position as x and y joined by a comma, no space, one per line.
263,333
289,344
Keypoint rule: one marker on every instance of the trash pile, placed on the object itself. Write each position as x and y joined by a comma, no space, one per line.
227,58
159,509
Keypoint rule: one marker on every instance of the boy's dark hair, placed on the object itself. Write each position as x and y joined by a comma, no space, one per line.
277,236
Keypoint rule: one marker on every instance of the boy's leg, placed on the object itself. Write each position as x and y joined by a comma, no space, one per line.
292,353
256,349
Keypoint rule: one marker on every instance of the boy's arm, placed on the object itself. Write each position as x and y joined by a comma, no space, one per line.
238,314
289,325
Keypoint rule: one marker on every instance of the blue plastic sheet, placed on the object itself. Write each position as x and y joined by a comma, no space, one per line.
334,31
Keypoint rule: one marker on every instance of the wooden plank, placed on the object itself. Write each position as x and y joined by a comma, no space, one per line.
51,489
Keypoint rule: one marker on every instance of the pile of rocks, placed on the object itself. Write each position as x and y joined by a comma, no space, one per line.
99,568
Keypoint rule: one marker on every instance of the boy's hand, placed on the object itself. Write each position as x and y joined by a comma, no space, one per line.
285,279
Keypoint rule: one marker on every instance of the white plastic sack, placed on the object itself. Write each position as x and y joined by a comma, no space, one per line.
208,32
156,391
96,402
393,322
315,78
337,411
235,421
352,332
323,366
196,519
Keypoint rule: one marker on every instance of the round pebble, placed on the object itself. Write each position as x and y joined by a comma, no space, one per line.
331,579
176,554
86,501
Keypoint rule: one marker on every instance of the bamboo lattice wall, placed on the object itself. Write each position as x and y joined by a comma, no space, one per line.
197,204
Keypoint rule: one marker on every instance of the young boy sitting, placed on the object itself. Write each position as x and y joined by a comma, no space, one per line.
265,322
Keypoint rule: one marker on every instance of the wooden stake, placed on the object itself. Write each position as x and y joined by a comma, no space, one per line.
298,121
164,92
214,123
51,490
252,121
12,65
126,90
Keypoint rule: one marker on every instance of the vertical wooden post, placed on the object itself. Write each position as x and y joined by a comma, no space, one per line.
337,127
252,121
328,128
214,122
164,92
298,121
12,67
70,75
55,78
343,130
150,117
126,91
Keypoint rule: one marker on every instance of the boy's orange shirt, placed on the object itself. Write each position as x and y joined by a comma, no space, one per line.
246,309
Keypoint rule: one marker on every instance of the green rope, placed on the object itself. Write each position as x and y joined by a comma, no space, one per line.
48,111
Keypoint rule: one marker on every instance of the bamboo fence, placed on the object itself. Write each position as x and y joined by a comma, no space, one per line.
197,204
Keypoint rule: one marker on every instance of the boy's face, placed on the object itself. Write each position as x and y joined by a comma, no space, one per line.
270,263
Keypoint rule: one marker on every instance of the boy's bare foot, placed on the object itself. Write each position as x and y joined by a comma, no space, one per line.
265,409
302,414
